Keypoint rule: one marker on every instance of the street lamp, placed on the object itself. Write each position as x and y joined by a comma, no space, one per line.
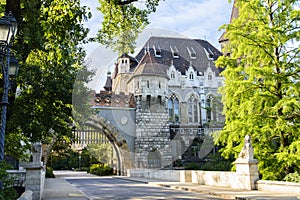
8,30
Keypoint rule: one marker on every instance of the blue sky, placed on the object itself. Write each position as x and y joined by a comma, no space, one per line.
199,19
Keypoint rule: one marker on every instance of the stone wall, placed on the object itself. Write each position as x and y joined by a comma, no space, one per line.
275,186
152,142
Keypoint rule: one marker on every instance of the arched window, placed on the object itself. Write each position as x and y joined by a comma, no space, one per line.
209,76
173,108
172,75
154,159
191,76
209,108
193,109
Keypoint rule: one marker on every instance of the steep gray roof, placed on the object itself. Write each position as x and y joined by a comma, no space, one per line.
182,52
149,66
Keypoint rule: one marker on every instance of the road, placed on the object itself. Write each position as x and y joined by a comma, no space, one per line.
96,188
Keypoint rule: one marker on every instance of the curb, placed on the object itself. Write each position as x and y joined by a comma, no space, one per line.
177,187
242,195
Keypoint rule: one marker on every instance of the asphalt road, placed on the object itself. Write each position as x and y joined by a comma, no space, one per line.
95,188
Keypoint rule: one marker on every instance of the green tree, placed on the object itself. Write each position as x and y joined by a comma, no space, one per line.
52,55
123,21
261,91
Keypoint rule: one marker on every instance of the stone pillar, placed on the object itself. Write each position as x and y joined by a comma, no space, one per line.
34,179
35,174
246,167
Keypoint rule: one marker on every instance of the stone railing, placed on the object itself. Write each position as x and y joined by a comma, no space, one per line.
245,177
27,195
19,177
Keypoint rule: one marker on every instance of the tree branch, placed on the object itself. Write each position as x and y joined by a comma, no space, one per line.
125,2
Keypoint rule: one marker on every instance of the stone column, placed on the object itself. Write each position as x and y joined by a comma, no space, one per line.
246,167
35,174
34,178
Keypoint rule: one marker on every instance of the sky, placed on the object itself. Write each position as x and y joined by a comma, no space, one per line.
199,19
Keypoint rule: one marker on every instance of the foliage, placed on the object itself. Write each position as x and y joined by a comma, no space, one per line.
192,166
123,21
64,157
101,170
51,56
8,192
293,177
101,152
261,90
217,163
49,172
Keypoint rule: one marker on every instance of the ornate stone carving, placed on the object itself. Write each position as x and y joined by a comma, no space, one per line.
247,150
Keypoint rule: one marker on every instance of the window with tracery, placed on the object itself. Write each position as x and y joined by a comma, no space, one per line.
193,109
173,108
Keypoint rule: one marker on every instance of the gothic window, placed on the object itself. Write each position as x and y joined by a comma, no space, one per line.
209,108
148,84
159,86
173,108
193,109
209,76
191,76
172,75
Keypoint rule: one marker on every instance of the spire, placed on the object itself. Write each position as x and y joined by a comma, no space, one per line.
108,84
234,14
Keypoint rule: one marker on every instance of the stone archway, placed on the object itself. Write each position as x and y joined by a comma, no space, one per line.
117,141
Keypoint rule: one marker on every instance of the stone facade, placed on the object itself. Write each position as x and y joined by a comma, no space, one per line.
173,86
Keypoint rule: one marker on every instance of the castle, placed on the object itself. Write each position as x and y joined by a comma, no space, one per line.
166,99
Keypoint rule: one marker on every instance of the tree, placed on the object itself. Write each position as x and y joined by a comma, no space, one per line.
51,56
123,21
261,91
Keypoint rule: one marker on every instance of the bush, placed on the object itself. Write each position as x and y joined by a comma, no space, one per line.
292,177
101,170
192,166
49,172
8,192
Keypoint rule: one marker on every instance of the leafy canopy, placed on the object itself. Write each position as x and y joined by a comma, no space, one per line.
52,57
123,21
261,94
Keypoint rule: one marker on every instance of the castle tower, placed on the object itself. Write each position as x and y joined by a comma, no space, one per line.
123,73
149,84
234,14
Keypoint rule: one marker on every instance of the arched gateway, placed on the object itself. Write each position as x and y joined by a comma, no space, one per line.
116,139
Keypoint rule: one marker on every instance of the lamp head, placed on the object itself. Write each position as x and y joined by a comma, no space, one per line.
13,66
5,30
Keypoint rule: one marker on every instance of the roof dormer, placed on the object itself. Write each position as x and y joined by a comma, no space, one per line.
192,52
157,51
174,51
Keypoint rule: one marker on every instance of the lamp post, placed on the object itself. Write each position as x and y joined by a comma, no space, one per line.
8,30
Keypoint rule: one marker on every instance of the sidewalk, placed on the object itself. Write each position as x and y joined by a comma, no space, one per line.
226,193
60,189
